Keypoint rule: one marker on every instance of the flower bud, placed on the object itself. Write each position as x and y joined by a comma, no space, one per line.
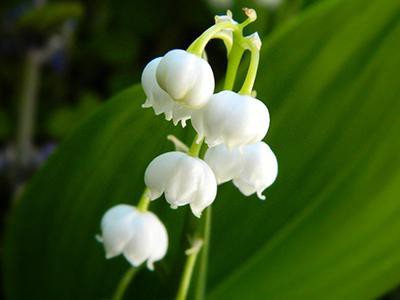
159,99
252,168
231,119
138,235
187,78
183,180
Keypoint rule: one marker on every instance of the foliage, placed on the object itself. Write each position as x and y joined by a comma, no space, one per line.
329,227
63,120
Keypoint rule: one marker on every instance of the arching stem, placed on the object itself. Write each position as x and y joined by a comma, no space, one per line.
248,84
198,46
124,283
188,269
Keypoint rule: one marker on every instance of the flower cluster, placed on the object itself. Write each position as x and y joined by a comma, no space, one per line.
232,124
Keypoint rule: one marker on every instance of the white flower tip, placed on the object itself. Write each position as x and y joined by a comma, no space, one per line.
260,195
99,238
173,206
146,105
150,265
154,195
255,40
225,18
183,123
197,212
250,13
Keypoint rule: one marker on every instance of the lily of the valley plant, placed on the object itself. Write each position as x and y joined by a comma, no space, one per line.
230,124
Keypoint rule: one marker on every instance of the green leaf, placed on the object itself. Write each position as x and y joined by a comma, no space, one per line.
329,227
101,165
63,120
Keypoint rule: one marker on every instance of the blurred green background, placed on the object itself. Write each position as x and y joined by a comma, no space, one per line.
329,73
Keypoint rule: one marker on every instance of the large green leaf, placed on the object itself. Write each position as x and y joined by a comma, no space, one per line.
329,228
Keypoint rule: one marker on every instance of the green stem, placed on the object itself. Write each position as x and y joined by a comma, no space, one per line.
144,201
226,39
234,58
248,84
195,148
199,44
188,270
203,263
124,283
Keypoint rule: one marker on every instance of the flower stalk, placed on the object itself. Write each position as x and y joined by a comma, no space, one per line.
192,254
144,201
199,293
198,46
248,84
195,148
124,283
234,58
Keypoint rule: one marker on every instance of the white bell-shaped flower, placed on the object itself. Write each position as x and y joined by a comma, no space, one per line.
252,168
139,236
159,99
187,78
231,119
183,180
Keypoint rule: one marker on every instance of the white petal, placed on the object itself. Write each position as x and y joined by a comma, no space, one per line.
148,78
203,87
232,119
156,97
116,227
160,240
159,171
139,247
206,193
225,163
176,73
159,99
150,241
260,169
186,78
184,183
183,179
245,187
